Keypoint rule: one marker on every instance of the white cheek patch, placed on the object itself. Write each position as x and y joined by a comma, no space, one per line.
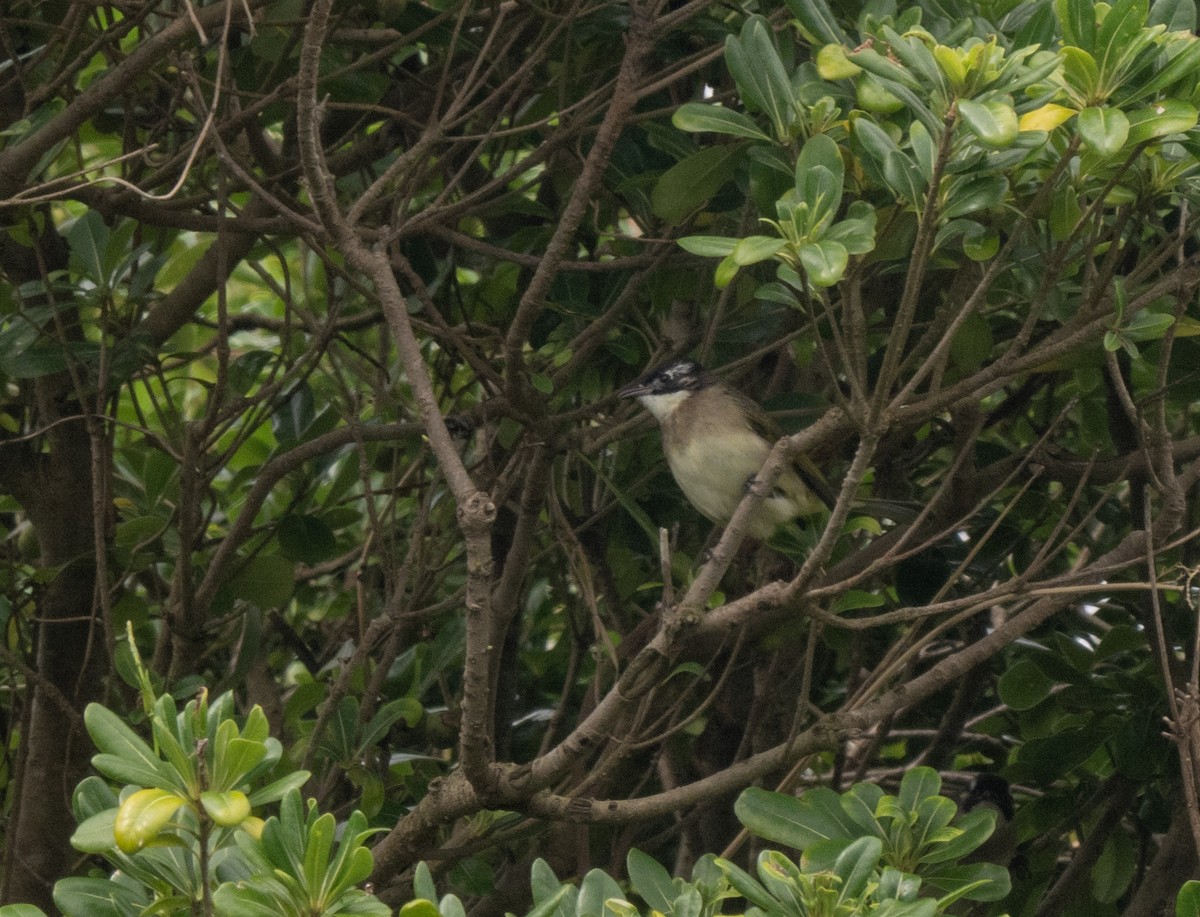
662,406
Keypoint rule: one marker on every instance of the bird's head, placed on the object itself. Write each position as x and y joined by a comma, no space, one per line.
664,388
990,790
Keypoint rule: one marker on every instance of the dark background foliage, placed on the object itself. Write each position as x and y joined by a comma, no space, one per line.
310,321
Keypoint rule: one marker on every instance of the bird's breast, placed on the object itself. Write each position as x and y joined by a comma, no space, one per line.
712,469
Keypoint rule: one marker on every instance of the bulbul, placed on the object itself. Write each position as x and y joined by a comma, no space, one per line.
991,791
715,440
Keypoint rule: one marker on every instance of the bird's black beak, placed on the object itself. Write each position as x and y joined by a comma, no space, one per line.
633,389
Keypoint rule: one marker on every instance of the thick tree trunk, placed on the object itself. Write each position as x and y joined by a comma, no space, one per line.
70,663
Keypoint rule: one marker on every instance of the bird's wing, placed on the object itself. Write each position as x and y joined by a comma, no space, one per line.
805,468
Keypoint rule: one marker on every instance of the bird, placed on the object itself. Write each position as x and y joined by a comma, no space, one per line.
716,439
991,791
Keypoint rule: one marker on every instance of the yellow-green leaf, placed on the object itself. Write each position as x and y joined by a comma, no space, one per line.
226,809
1046,118
833,64
142,816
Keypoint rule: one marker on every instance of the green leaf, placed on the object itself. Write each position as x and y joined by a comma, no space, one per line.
1122,24
857,235
95,834
856,865
21,910
142,816
88,238
994,123
1148,326
917,784
1023,686
817,19
88,897
543,883
306,538
1081,73
980,243
976,827
688,184
1115,869
246,371
418,907
833,64
708,246
124,755
824,262
1182,65
853,599
699,117
1176,15
423,885
650,880
1077,19
1170,116
1104,130
820,174
974,194
226,809
972,345
267,581
596,888
874,96
815,816
754,249
1187,902
989,882
408,709
1065,212
924,149
316,851
243,900
890,72
725,272
756,68
277,789
898,171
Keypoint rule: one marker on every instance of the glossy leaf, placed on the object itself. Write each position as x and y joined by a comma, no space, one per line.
1171,116
651,881
755,65
124,755
1104,130
1187,902
708,246
994,123
833,64
89,897
856,865
816,816
1077,19
1182,67
817,19
142,816
824,262
754,249
1118,33
697,117
1045,118
226,809
1081,74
